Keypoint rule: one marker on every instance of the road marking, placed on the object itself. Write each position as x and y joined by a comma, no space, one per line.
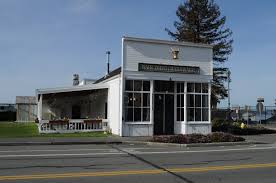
135,152
55,150
137,172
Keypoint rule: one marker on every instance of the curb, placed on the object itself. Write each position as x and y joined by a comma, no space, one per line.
55,143
196,144
130,142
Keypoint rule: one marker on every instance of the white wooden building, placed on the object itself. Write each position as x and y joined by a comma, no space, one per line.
162,87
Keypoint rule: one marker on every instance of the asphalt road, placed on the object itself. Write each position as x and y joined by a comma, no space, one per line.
137,163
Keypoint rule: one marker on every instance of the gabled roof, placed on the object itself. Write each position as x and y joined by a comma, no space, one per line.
96,85
72,88
168,42
110,75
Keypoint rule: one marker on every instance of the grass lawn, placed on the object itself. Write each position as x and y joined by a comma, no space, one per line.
12,129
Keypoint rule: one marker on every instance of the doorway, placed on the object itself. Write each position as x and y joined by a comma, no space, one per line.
164,108
76,112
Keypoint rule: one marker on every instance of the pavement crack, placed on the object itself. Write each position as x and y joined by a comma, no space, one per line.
91,166
59,158
209,162
153,164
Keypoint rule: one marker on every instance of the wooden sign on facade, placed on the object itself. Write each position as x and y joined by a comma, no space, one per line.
168,68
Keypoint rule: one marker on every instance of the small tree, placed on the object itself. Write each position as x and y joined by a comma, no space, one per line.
200,21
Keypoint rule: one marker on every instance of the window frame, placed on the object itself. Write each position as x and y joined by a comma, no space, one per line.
141,107
180,92
195,108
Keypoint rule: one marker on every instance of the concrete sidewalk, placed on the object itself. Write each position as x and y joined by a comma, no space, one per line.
59,140
71,140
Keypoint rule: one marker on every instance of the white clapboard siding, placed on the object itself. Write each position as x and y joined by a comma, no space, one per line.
156,53
113,105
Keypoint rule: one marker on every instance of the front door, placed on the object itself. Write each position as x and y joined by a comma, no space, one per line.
76,112
163,114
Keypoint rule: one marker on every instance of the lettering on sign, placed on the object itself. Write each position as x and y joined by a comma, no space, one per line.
168,68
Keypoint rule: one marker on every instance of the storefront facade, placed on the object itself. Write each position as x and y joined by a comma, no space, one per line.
166,87
162,87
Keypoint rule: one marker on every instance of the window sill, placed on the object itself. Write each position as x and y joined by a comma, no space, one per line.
194,122
198,122
138,123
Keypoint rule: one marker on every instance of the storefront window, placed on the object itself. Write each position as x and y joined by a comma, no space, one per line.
137,85
164,86
129,85
197,102
180,101
137,101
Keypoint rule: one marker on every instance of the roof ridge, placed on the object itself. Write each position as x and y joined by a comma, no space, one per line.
109,75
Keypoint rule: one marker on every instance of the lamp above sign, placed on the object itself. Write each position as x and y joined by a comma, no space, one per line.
168,68
175,52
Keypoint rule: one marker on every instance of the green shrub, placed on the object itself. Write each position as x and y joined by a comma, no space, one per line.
217,123
251,131
221,125
237,123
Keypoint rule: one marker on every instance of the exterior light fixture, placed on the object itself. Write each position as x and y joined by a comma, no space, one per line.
175,52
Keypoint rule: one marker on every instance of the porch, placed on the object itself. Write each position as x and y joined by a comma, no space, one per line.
73,111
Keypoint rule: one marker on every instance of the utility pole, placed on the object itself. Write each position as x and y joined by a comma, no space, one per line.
228,80
108,62
228,87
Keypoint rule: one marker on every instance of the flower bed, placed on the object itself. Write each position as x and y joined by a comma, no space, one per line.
197,138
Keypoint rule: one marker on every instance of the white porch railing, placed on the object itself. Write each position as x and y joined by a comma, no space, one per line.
72,125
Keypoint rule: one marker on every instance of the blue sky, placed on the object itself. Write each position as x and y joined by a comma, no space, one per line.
42,43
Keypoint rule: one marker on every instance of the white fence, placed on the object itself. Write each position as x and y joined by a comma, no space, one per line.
71,126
